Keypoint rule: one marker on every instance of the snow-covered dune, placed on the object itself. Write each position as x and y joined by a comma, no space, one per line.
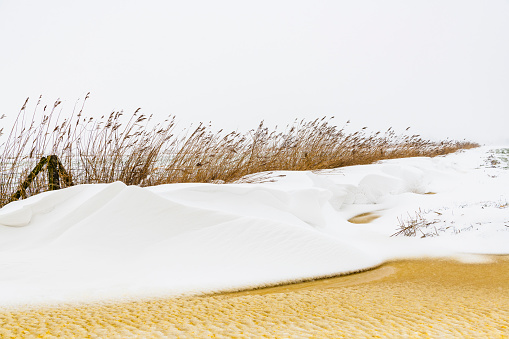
110,241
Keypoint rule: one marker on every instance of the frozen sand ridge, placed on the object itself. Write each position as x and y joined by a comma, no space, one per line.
93,242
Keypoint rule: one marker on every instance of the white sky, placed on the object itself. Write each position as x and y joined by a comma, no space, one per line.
440,66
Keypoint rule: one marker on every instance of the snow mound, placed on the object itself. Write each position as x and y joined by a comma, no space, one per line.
112,241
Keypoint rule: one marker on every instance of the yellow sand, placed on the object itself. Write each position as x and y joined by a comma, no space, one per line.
409,299
364,218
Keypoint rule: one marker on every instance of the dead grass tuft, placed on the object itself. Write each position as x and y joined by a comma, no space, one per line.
139,152
414,225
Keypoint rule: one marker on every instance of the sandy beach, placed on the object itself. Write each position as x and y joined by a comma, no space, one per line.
409,299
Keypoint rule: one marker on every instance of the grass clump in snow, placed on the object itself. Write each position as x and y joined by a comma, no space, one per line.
456,219
499,158
416,225
139,152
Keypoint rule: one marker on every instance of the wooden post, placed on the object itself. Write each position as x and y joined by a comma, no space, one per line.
21,192
53,178
54,167
63,173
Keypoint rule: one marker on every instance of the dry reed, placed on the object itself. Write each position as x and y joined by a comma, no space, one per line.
137,152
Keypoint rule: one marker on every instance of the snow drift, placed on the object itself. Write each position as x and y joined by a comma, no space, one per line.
112,241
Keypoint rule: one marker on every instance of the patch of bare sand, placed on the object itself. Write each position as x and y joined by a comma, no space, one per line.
364,218
420,298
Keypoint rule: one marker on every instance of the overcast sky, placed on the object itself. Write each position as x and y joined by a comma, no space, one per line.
441,67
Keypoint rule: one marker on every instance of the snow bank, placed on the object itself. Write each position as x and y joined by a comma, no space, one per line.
111,241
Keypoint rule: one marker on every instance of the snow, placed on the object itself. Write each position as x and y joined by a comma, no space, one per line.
114,242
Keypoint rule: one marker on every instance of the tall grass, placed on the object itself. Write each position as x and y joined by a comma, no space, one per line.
136,151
